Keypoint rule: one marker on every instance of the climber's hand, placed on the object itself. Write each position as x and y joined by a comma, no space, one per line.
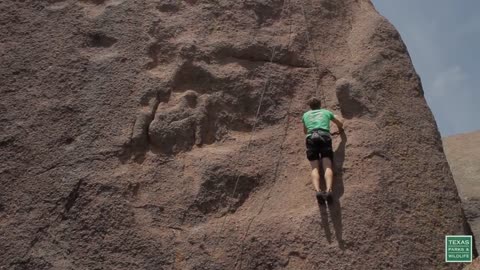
338,132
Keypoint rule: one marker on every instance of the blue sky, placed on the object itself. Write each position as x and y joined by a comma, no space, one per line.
443,39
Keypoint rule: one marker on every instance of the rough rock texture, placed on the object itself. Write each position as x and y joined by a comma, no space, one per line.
126,138
475,265
463,155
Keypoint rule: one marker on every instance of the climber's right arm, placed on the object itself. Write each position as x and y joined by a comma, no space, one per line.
339,122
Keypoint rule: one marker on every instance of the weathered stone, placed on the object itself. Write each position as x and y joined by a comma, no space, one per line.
126,138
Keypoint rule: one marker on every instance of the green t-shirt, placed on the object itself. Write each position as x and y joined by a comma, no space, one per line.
316,119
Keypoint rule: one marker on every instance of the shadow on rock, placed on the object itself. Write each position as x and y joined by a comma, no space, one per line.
334,208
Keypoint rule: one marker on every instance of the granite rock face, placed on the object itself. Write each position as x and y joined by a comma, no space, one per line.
127,138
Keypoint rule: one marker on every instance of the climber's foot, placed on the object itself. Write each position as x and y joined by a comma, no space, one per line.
329,197
320,197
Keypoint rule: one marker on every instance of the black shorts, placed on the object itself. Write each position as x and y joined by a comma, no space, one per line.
319,148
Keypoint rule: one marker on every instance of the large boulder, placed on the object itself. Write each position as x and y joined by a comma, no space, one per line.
158,134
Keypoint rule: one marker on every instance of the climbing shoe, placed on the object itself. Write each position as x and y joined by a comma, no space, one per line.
329,197
320,197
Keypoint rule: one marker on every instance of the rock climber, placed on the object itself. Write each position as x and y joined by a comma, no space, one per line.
316,125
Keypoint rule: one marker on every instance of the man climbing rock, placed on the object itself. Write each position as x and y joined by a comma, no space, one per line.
316,125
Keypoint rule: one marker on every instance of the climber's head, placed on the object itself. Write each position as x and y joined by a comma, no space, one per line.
314,103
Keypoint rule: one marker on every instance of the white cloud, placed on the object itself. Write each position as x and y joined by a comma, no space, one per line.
448,82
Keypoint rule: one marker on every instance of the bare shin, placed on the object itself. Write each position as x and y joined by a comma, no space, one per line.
327,167
315,174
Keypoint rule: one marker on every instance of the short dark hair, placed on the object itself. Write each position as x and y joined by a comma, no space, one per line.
314,103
